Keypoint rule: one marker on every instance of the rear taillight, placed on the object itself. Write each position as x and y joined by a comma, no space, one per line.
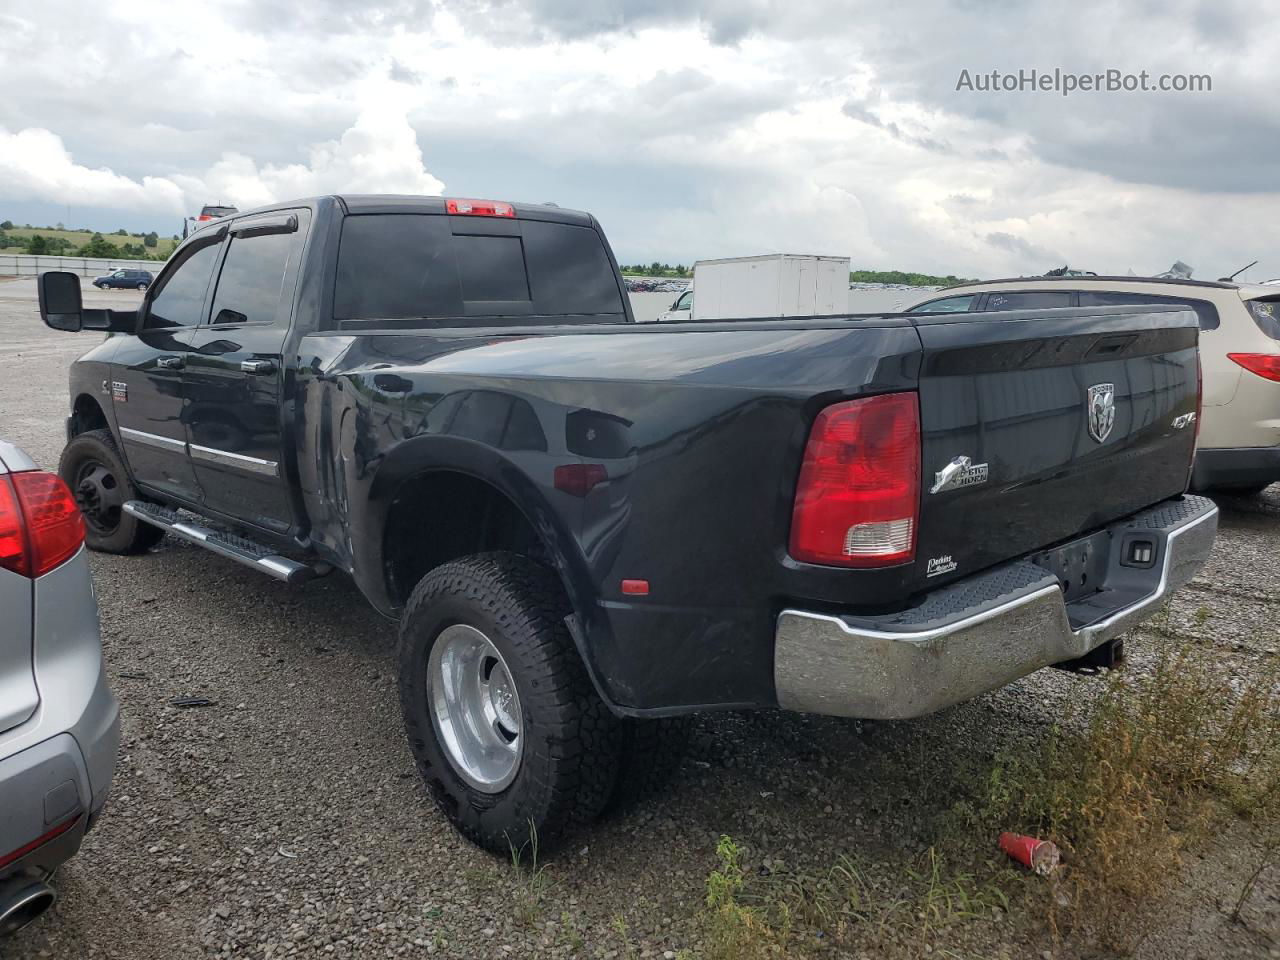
40,524
479,208
858,499
1265,365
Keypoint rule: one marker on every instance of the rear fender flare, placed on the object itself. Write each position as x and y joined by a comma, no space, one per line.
425,454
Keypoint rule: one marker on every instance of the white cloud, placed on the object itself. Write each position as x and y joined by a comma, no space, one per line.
379,153
34,164
691,129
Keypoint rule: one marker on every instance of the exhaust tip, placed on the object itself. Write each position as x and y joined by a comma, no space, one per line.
22,905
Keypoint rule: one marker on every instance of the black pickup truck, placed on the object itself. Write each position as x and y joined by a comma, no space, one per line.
587,526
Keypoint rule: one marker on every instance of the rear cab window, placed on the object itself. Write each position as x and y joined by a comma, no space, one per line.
458,270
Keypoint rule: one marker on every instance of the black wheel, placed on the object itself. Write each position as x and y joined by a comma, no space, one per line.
92,468
650,752
142,288
507,731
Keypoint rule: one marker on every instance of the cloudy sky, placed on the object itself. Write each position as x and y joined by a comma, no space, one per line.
694,129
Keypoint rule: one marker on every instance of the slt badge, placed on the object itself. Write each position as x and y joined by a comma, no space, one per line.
960,472
1102,410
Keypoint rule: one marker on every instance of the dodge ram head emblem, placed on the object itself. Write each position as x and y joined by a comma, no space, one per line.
1102,410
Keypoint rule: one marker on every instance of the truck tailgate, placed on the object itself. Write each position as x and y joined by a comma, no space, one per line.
1039,427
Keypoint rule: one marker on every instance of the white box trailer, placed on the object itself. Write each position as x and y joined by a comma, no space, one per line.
775,285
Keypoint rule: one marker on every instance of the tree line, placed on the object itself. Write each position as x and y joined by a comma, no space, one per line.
55,245
907,277
654,269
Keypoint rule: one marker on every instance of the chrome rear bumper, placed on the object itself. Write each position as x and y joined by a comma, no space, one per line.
980,633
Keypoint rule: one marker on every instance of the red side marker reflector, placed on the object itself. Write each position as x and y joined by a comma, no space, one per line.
578,479
15,855
635,588
479,208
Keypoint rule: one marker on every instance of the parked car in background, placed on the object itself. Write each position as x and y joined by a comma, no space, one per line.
208,213
124,280
1239,445
681,309
59,723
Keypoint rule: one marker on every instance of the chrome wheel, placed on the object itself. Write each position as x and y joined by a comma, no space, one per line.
475,708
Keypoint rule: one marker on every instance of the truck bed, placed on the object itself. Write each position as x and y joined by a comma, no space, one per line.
698,430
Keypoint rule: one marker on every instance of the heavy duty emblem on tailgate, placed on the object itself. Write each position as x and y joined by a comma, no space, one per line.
1102,410
960,472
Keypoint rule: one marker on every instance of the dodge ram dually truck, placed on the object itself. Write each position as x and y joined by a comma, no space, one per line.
586,526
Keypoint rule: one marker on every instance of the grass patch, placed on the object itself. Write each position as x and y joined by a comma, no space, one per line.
531,880
1124,788
851,904
1132,776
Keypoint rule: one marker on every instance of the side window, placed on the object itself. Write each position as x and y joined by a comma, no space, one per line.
685,302
1206,312
1031,300
252,279
945,305
178,302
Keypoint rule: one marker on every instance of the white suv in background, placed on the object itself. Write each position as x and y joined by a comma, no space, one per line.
1239,356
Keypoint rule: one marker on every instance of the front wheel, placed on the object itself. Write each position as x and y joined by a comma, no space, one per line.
507,731
142,288
92,468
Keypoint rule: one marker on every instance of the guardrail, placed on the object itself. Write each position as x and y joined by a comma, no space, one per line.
27,265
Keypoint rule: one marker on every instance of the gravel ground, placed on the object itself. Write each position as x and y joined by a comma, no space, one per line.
287,820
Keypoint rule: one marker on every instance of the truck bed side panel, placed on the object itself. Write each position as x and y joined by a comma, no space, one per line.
699,432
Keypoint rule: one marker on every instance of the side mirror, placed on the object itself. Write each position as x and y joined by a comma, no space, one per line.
60,305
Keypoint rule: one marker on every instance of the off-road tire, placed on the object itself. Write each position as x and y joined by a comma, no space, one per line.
650,752
569,756
129,534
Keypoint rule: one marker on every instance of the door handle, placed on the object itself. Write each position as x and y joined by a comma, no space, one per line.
258,366
171,363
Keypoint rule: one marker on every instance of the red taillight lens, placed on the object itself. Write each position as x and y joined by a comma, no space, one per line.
1265,365
858,500
479,208
13,533
40,524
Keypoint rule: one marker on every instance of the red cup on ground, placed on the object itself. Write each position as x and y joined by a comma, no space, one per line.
1042,856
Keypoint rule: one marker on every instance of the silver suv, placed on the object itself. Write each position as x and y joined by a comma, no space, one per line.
59,723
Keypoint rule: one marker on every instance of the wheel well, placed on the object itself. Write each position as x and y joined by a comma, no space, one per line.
440,516
88,415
